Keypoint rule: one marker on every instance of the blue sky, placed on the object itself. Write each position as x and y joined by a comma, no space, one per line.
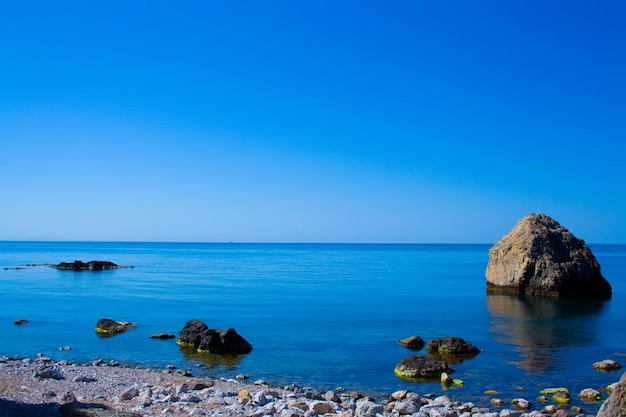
321,121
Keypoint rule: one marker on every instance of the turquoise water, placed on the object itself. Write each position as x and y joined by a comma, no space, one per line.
326,315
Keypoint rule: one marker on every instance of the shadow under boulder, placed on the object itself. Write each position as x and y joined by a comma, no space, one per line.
197,335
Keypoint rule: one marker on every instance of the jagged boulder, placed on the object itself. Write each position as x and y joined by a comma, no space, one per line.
541,257
196,334
615,405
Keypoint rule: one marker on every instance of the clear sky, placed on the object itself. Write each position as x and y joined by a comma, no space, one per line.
311,121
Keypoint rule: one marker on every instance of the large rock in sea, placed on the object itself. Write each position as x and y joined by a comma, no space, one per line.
196,334
541,257
615,405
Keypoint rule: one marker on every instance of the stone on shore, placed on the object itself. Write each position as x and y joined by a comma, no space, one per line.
421,367
197,335
110,327
88,266
412,342
541,257
615,405
48,371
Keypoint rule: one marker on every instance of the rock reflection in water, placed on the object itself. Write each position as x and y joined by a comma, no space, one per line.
541,327
229,360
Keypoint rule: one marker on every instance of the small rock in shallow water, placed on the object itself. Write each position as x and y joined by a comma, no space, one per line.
607,365
521,403
590,394
497,402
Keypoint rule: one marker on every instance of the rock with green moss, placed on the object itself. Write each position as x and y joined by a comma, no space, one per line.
108,327
607,365
562,398
552,391
421,367
590,395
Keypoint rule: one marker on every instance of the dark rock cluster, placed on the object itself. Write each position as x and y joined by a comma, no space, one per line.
88,266
197,335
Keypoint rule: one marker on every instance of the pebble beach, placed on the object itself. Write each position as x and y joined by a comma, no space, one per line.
43,387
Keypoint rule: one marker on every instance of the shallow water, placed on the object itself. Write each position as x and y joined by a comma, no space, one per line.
317,314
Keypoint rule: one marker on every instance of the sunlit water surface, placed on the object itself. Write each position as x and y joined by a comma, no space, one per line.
325,315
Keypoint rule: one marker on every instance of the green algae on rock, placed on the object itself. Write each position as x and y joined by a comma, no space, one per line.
421,368
108,327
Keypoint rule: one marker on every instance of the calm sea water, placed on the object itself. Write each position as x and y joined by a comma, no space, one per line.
325,315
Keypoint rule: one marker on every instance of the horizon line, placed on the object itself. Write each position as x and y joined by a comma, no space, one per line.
270,242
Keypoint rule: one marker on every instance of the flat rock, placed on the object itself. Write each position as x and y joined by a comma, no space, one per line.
88,266
541,257
421,367
163,336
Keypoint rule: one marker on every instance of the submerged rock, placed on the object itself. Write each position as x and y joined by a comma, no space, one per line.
199,336
541,257
88,266
421,367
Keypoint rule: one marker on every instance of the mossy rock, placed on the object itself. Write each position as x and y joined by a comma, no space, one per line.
552,391
421,367
108,327
562,398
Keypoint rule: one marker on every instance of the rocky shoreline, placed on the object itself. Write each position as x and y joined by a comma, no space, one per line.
45,388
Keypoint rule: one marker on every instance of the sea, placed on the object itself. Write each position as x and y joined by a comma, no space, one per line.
320,315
